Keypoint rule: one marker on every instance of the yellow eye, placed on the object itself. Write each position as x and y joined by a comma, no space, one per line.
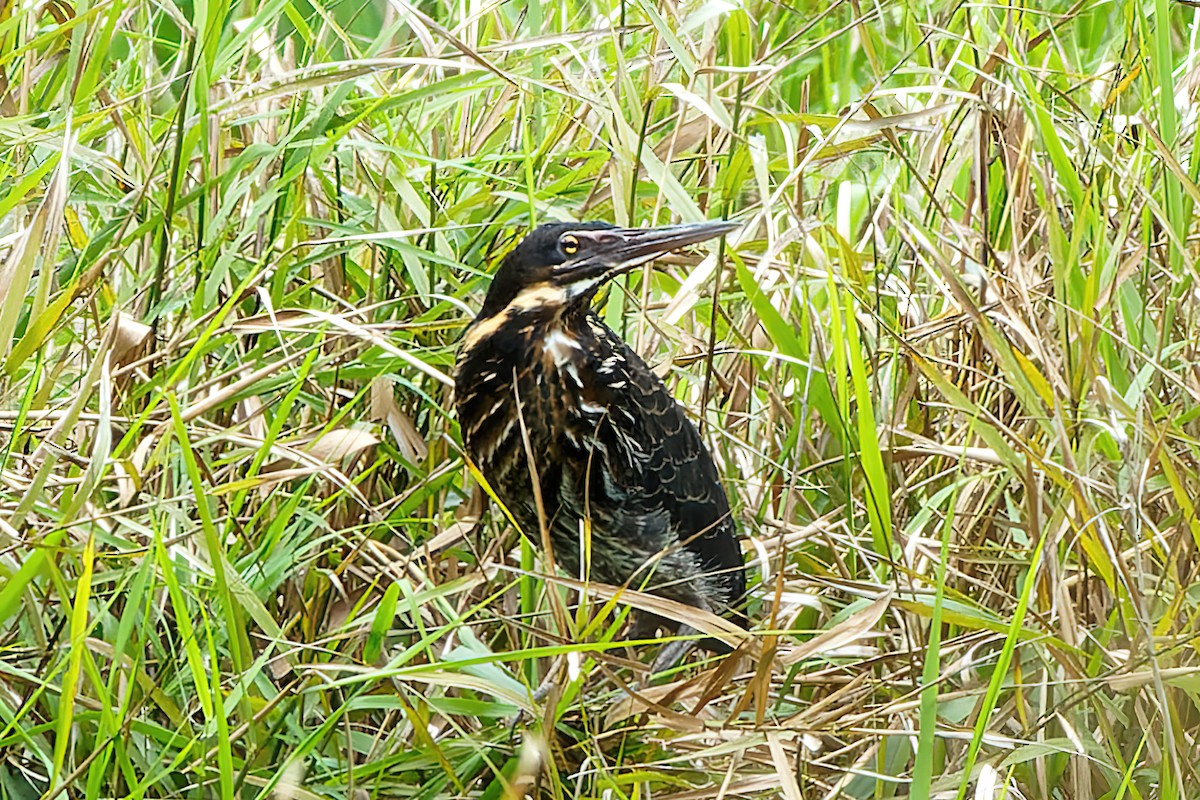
569,244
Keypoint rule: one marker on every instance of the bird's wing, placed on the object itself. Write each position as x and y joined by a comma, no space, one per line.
656,461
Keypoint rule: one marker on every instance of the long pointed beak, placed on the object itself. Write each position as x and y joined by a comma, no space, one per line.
611,251
620,249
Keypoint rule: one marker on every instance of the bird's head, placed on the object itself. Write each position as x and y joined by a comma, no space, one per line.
560,265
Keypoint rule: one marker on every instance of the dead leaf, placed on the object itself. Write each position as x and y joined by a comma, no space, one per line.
298,321
452,535
340,443
653,698
385,409
132,338
859,624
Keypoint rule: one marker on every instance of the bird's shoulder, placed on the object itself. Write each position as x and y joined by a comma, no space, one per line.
632,395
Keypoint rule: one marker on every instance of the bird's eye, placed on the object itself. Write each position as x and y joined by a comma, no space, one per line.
569,244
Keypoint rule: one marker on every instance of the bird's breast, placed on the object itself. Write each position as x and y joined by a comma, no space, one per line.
528,379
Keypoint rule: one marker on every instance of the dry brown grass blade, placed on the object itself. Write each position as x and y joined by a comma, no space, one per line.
784,768
705,622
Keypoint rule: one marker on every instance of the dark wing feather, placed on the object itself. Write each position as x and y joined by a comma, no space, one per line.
674,496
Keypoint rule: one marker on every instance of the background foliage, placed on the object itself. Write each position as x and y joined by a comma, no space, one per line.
949,367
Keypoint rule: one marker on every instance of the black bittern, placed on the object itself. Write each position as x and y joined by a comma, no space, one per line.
539,373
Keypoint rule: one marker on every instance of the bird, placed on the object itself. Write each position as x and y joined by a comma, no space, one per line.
581,440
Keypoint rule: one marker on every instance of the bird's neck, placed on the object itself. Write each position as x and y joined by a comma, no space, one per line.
530,320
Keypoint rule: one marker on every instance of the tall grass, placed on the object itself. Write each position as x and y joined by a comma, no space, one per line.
949,368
